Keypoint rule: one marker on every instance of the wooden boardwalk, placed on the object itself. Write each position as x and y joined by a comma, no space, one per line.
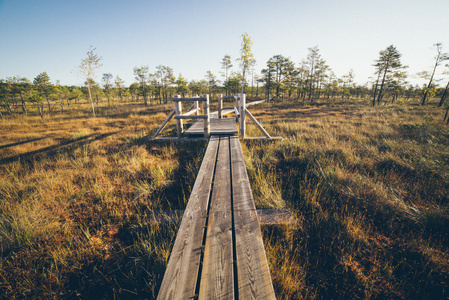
217,127
218,252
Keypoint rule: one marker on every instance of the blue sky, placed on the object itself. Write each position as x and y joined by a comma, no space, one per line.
193,36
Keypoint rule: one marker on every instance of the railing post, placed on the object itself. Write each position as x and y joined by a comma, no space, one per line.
178,112
207,120
220,106
196,106
242,107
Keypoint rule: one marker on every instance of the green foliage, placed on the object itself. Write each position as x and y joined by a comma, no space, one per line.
246,59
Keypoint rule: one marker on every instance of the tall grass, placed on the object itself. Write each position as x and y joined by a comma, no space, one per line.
369,189
367,186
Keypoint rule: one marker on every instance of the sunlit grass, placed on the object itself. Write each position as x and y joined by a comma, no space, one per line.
367,187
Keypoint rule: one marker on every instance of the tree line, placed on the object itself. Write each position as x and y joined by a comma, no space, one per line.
280,79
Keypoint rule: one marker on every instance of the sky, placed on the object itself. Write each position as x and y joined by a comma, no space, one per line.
192,36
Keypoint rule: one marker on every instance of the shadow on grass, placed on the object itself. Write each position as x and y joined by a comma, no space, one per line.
21,143
52,150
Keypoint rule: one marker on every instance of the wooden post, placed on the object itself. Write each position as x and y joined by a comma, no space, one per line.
178,112
242,107
206,113
220,106
196,106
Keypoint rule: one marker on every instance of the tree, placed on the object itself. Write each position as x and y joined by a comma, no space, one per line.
142,77
445,90
246,57
211,82
439,58
44,89
88,68
389,61
119,85
317,69
22,87
165,74
226,65
107,83
181,86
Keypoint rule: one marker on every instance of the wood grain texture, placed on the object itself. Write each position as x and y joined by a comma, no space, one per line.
254,281
217,126
182,270
217,280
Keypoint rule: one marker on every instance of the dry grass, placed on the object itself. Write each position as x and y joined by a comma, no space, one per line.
368,186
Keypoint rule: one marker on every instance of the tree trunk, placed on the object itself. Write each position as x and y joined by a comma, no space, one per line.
379,97
430,82
445,116
444,95
91,101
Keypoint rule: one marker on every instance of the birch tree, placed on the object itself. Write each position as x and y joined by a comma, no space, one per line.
88,68
246,57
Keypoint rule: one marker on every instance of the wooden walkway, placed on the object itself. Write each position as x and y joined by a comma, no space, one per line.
218,252
217,127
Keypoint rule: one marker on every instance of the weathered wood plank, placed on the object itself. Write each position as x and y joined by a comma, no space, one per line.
217,280
181,276
217,126
254,281
267,216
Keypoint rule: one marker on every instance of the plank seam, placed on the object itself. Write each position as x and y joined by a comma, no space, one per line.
203,244
234,246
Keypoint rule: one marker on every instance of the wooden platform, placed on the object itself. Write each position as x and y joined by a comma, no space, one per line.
217,127
218,252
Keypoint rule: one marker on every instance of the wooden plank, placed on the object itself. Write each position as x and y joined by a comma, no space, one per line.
264,138
255,102
191,111
184,116
253,274
217,126
190,99
267,216
175,139
181,276
217,280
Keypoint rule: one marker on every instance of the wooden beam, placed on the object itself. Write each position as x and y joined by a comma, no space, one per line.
172,113
242,105
191,111
176,139
190,99
253,274
263,138
182,271
184,116
255,102
217,279
206,121
257,123
220,106
178,112
266,216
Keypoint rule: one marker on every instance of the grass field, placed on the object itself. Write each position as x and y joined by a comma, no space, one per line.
368,187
